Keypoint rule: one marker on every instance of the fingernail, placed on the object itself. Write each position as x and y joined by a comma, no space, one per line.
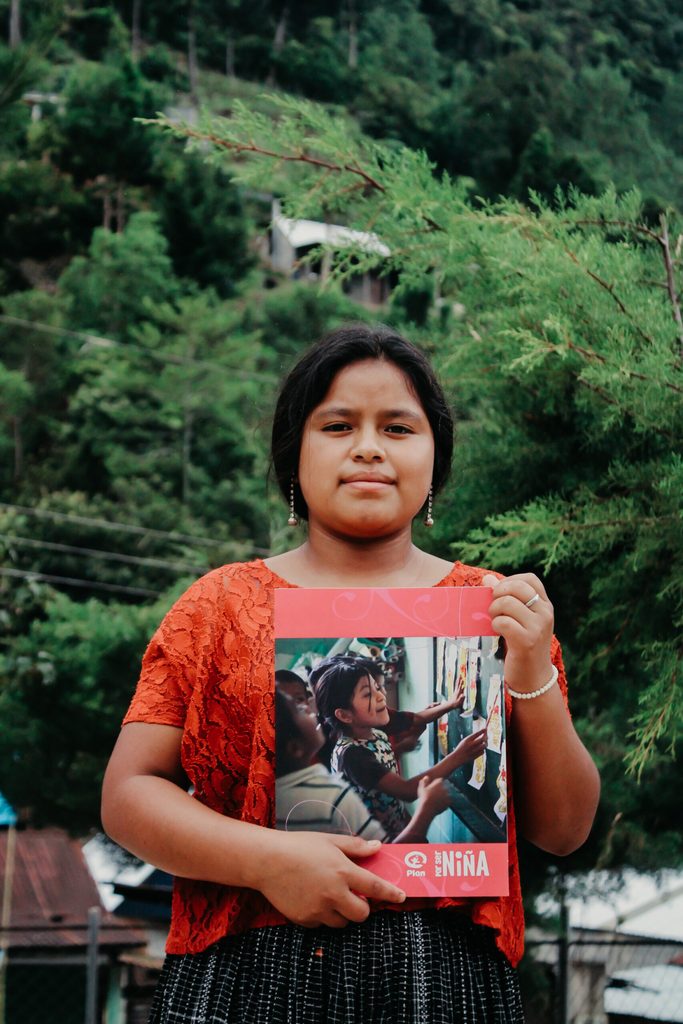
401,895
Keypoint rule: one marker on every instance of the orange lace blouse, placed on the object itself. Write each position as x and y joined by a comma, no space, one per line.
208,670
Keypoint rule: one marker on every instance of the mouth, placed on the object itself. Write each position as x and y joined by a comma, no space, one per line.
368,481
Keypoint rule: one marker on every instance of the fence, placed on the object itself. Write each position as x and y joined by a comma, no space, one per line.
69,973
602,978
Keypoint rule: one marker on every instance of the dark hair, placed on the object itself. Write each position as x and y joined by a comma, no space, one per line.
286,730
308,382
377,669
316,673
334,689
284,675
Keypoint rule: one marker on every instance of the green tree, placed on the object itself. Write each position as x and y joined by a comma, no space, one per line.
43,218
120,280
40,356
203,221
95,133
64,686
15,401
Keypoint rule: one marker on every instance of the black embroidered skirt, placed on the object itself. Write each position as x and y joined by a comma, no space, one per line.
416,967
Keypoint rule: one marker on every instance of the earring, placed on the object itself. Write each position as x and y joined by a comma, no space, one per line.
428,520
292,521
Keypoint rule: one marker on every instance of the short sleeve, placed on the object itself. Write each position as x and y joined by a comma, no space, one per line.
556,658
399,721
360,766
176,658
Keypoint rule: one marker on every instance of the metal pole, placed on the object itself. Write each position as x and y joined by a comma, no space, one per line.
5,917
94,917
563,961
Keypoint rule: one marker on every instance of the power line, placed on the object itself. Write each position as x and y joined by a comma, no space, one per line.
41,577
110,524
94,341
111,556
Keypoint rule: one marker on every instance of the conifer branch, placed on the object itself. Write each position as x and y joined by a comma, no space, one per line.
300,157
663,242
640,229
588,354
670,279
609,288
655,727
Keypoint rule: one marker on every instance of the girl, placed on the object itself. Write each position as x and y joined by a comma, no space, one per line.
353,706
276,926
310,798
403,728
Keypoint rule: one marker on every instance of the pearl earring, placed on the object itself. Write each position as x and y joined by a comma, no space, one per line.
292,521
428,520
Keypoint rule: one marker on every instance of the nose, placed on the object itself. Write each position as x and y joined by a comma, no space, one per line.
368,447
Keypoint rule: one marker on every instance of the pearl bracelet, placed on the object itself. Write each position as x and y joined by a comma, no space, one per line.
535,693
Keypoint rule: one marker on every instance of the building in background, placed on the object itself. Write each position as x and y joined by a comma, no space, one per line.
290,243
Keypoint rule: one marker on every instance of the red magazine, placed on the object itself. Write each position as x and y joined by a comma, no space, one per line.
375,687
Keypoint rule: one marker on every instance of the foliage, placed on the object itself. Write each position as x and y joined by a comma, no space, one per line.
74,666
120,280
202,218
95,133
43,217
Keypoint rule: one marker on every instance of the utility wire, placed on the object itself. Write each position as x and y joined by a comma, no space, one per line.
94,341
110,524
41,577
110,556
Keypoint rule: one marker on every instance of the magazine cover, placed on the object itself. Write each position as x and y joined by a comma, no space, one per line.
390,724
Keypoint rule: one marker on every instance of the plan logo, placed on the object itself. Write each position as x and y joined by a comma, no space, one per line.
415,862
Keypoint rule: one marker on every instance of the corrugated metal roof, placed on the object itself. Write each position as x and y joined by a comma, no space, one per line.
52,891
649,993
302,233
626,902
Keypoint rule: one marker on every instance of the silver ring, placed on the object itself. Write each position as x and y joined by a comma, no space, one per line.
532,601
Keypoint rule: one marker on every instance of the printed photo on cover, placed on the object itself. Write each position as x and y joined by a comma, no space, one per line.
356,719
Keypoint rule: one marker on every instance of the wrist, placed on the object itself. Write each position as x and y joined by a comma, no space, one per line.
526,695
420,821
263,856
525,678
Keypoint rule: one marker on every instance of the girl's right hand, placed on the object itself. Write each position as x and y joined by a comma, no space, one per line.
434,796
311,879
472,747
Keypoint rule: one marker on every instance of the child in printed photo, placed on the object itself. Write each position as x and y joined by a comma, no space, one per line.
310,798
352,704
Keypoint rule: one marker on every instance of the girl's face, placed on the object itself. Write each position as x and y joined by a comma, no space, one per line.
311,736
367,453
300,694
367,707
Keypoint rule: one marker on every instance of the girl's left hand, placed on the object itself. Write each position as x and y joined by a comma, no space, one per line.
523,615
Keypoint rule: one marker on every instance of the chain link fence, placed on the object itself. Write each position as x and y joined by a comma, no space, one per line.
65,973
602,978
